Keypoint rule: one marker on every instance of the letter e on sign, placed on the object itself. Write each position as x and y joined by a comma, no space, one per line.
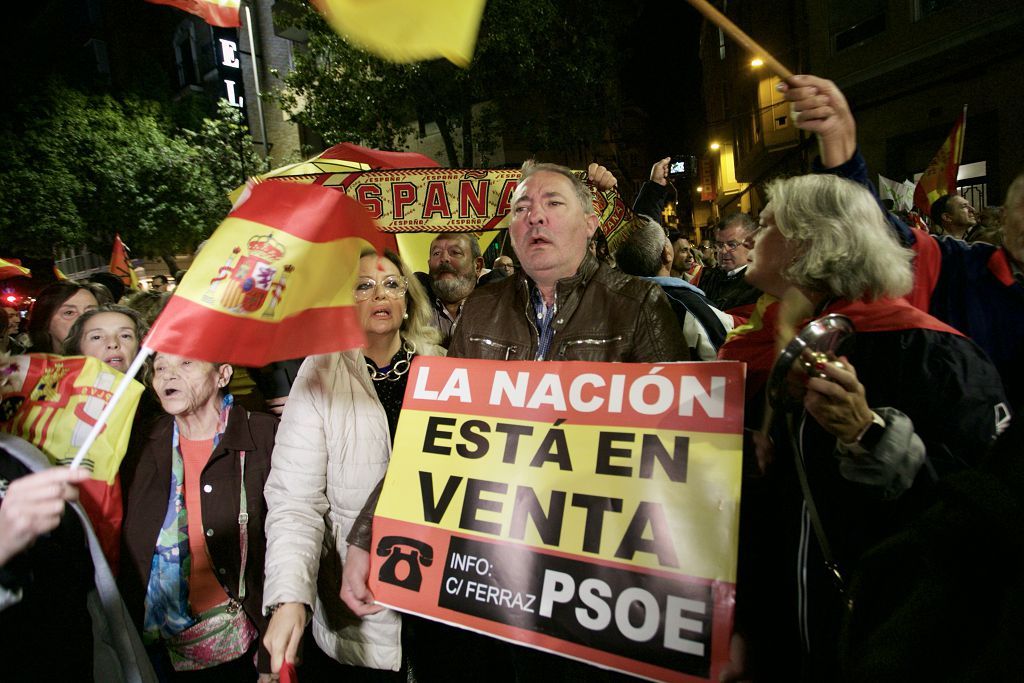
228,53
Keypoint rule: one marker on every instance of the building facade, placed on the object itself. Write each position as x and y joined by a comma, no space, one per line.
907,67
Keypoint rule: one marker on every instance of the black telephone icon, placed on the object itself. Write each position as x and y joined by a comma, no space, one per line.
414,554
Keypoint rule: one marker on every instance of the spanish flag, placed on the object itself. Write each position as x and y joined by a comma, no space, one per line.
121,265
53,401
213,12
408,30
940,176
13,268
274,281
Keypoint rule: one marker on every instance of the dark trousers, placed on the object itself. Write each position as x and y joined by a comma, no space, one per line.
439,653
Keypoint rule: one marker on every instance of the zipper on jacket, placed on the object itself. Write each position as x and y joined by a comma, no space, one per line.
589,342
509,348
531,314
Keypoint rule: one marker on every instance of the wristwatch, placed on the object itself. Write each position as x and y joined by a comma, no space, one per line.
869,436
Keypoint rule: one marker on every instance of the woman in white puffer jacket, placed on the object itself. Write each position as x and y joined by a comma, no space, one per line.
332,449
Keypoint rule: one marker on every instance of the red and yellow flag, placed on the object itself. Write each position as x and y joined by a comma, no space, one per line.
708,188
213,12
408,30
274,281
940,176
13,268
121,265
53,401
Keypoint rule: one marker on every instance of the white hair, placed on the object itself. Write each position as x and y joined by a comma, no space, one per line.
847,248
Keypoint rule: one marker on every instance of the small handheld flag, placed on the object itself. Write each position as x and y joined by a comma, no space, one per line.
13,268
121,265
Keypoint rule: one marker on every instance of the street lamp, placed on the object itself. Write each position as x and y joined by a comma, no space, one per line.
714,146
700,188
756,62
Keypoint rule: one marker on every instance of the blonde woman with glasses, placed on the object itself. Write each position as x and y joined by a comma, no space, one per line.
332,449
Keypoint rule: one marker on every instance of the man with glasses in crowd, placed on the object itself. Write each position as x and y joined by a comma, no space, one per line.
708,253
503,268
725,286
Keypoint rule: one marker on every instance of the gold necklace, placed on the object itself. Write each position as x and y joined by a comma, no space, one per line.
397,369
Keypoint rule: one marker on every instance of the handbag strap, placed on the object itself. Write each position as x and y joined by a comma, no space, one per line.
812,508
243,528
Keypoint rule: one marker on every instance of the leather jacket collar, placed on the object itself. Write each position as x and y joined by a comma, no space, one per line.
567,290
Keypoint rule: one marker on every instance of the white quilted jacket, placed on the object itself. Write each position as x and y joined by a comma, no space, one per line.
332,448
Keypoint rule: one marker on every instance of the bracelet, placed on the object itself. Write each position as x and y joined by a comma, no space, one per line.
273,608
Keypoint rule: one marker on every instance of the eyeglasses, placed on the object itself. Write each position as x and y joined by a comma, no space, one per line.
393,286
727,246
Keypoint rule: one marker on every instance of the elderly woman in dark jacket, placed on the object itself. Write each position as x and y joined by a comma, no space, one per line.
193,541
909,400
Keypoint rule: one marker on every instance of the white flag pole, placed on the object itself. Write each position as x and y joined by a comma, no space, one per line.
133,370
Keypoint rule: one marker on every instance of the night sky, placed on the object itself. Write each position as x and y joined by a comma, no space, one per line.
667,83
661,74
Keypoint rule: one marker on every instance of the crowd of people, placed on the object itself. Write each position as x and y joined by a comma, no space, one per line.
242,542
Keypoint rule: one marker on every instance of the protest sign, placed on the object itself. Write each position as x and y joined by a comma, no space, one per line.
586,509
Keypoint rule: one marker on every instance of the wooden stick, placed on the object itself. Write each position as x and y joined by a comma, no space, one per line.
94,433
737,34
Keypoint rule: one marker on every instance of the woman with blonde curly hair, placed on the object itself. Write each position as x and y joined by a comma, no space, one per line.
332,449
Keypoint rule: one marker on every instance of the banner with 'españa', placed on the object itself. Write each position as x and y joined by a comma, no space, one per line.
586,509
450,199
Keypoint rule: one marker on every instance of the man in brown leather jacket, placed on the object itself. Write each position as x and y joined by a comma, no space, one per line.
564,305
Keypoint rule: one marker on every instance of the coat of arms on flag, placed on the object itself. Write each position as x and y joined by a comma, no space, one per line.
251,275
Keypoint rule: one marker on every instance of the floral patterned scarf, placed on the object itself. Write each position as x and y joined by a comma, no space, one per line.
167,609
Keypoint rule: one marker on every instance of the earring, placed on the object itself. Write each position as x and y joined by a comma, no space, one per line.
405,316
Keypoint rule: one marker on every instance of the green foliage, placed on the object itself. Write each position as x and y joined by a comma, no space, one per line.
81,167
547,70
226,148
332,72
